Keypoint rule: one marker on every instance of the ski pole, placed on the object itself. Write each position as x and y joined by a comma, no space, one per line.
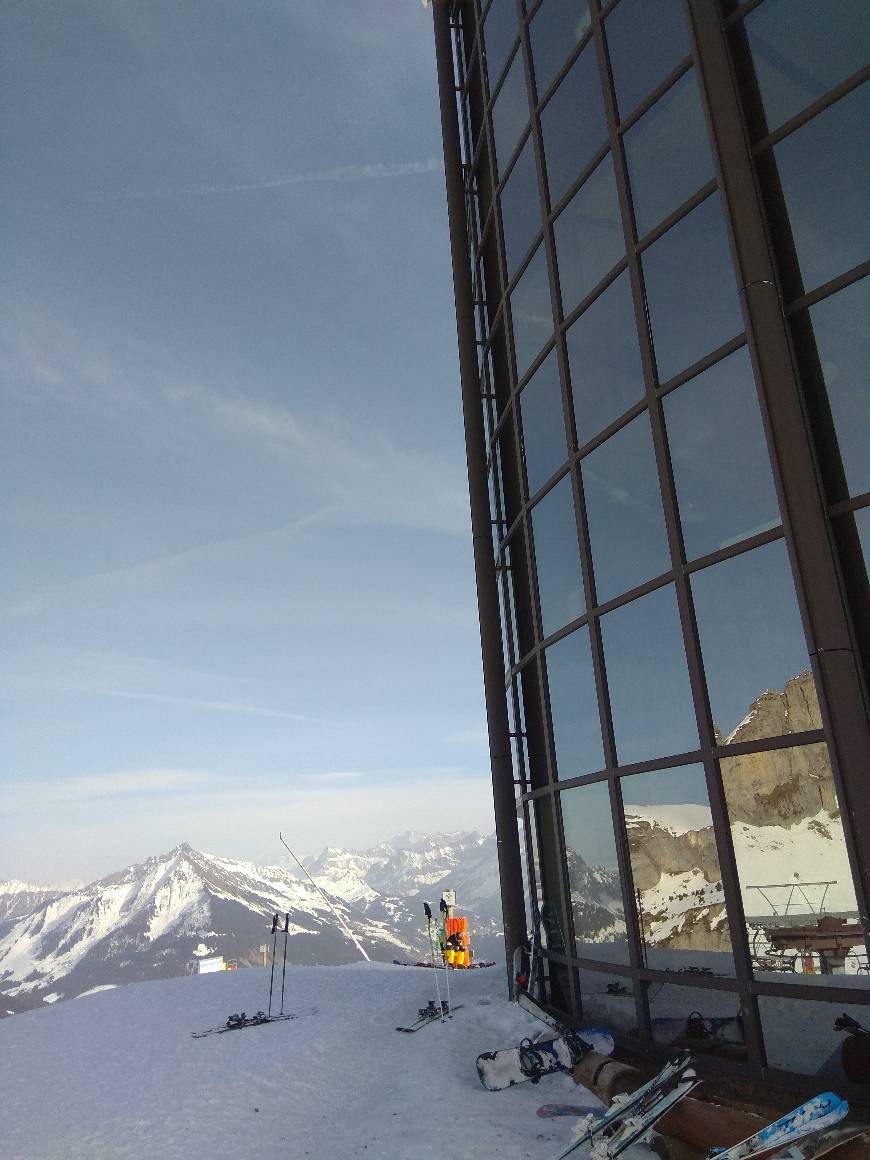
427,910
272,976
446,965
284,970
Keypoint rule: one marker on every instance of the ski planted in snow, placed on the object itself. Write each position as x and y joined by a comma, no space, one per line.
431,1014
238,1022
816,1115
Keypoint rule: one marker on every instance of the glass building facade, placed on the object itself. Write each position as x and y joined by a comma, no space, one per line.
659,230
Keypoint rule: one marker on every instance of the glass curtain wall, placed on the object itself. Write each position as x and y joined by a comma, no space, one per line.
702,872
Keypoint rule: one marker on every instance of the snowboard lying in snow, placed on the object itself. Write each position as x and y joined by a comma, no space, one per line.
531,1061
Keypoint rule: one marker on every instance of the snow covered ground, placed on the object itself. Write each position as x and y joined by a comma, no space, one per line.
116,1075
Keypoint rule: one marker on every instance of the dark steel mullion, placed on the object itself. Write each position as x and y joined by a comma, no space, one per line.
812,552
686,613
703,364
841,282
676,215
821,105
770,744
853,504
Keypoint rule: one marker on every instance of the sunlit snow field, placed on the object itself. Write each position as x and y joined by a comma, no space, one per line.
116,1075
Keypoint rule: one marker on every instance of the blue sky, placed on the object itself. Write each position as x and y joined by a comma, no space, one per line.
238,590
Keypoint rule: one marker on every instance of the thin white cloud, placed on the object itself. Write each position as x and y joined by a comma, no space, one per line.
371,171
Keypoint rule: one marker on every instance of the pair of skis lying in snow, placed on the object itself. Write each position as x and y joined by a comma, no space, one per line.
238,1022
807,1132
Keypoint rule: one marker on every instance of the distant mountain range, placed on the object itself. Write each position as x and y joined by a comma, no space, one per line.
155,919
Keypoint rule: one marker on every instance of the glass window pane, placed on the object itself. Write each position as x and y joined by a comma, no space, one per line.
624,511
802,49
558,558
593,874
675,871
823,169
650,695
668,154
510,113
862,522
607,1000
549,873
800,1035
518,593
557,27
574,706
721,466
646,42
544,442
691,290
531,312
698,1020
753,646
572,124
499,32
843,342
603,354
520,209
589,239
793,866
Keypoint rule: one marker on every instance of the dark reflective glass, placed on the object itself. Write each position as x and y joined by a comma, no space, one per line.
650,695
574,706
520,209
544,443
668,154
556,28
558,558
793,865
549,873
589,239
800,1035
752,643
801,49
675,871
496,366
528,684
604,359
531,313
499,32
646,42
593,874
624,511
510,113
843,342
508,644
519,595
721,466
691,289
572,124
697,1019
607,1000
823,168
862,522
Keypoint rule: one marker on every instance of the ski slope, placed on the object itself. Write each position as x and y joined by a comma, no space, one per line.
116,1076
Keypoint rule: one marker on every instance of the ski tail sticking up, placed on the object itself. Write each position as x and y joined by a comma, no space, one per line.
816,1115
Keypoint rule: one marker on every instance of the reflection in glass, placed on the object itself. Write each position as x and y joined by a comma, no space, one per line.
699,1020
529,688
822,165
843,342
499,32
721,467
519,596
795,878
593,874
558,558
691,290
607,1000
574,706
753,645
799,1035
862,522
650,695
624,511
520,209
606,371
531,312
549,872
544,442
572,124
668,154
801,49
675,871
588,232
646,42
510,113
557,27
